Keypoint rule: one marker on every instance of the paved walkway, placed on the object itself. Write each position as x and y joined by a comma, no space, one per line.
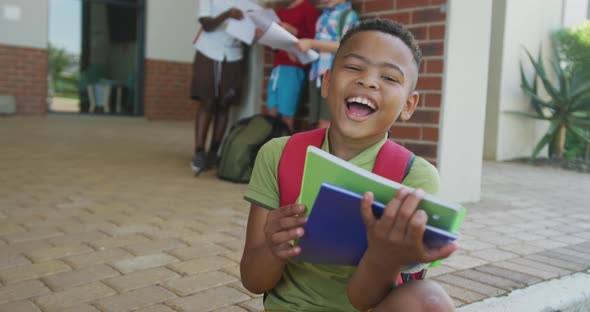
102,214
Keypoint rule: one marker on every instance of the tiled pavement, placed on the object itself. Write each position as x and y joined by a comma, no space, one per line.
102,214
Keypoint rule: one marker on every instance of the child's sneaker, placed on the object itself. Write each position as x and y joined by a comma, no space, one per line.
199,162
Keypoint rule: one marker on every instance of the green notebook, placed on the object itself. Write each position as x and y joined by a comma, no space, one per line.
321,166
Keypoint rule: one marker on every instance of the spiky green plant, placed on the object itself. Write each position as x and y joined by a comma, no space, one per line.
565,107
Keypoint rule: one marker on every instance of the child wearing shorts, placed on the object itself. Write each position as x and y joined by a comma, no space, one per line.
218,71
288,74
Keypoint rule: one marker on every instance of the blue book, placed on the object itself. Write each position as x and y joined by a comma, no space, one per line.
335,233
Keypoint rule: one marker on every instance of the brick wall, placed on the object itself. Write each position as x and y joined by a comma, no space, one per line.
426,19
167,90
23,74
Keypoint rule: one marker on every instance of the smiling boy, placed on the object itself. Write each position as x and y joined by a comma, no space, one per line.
371,85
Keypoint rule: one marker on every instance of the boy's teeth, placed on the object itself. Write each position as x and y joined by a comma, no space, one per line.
361,100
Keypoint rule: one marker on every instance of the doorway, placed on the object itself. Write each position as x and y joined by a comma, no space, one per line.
105,76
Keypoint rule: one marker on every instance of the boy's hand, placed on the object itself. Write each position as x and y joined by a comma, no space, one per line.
282,226
395,239
235,13
304,45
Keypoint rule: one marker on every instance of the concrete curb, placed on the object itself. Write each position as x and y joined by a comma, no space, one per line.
567,294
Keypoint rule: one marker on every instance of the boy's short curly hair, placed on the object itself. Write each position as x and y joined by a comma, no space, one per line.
389,27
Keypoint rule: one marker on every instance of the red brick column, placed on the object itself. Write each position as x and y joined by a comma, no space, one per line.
23,74
167,90
426,20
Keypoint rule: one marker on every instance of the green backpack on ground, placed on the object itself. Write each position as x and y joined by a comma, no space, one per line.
242,144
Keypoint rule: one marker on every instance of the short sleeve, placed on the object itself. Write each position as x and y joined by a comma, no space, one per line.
263,189
423,175
203,8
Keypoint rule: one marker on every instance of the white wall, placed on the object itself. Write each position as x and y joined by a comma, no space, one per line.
464,99
24,23
252,88
495,61
253,84
517,136
170,29
509,136
574,12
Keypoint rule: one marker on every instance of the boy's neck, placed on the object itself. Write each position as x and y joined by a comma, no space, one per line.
346,148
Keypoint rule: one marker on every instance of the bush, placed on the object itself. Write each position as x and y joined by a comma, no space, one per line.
573,45
60,82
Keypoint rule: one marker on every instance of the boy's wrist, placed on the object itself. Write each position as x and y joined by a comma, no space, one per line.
375,262
268,251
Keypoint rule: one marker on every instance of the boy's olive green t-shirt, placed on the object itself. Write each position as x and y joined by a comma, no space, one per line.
307,286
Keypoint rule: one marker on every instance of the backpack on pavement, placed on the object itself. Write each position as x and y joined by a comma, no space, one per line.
242,144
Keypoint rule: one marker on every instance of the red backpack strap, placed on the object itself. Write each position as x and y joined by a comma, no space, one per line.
290,171
393,161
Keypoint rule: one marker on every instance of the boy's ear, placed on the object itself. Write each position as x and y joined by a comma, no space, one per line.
410,106
325,84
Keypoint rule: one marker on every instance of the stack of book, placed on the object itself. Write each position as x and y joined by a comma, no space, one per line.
332,190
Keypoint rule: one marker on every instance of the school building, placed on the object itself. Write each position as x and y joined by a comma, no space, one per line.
469,79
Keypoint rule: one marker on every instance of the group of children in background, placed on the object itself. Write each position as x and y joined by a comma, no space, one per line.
219,68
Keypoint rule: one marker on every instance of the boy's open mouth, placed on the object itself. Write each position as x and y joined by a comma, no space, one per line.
360,106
